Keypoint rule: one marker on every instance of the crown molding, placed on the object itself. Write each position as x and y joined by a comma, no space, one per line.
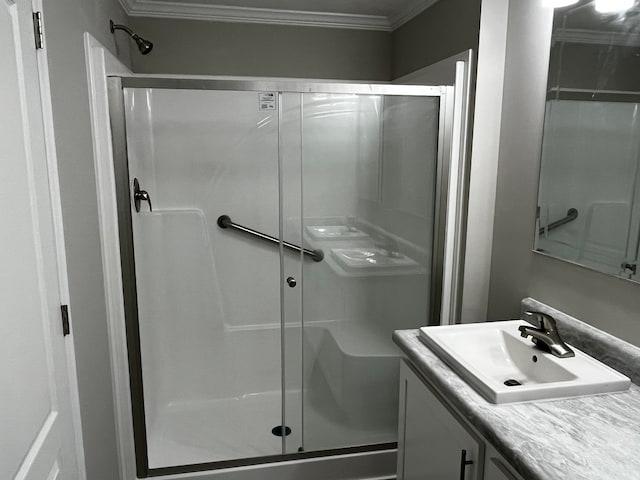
404,16
592,37
127,6
223,13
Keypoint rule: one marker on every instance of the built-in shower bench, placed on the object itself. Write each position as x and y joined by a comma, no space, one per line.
359,363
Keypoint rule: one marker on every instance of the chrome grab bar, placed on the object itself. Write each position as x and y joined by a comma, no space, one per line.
224,221
572,214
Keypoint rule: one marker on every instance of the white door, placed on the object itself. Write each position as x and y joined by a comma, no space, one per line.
36,428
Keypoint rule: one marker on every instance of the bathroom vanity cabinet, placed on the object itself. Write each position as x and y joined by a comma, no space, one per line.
496,467
434,442
441,414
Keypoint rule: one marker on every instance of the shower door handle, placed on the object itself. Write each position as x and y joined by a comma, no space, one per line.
140,196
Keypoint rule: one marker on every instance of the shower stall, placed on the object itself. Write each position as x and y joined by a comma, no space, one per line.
273,235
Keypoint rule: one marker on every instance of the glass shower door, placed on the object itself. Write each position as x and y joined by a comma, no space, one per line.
209,298
368,167
279,238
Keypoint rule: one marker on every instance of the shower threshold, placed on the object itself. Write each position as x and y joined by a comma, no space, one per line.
220,430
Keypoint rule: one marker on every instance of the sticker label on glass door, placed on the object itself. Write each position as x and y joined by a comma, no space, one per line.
267,101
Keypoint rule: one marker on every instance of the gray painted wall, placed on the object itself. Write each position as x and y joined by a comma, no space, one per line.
65,22
606,302
217,48
603,67
443,30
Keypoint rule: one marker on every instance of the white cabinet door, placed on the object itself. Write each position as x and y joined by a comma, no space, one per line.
497,468
432,444
37,441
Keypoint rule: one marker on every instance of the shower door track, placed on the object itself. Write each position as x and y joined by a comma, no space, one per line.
247,462
285,86
116,84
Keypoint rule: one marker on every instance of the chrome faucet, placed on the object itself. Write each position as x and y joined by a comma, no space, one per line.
546,336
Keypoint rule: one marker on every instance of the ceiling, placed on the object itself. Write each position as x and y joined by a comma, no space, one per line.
386,15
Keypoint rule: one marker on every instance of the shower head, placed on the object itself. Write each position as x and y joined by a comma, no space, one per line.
144,46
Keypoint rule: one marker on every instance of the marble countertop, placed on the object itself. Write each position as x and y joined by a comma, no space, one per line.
593,437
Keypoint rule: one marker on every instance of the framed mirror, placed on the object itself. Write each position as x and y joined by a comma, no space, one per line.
589,190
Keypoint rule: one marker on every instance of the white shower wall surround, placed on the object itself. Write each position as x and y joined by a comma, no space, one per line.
199,153
196,368
209,300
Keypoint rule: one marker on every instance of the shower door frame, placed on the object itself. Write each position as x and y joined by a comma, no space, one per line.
116,85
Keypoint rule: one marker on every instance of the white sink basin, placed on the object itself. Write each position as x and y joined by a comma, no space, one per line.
486,355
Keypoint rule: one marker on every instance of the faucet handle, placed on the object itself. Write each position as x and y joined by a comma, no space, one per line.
545,321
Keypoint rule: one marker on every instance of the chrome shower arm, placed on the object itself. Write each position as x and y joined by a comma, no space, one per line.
114,26
144,46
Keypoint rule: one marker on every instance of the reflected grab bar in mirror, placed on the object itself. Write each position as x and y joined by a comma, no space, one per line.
224,221
572,214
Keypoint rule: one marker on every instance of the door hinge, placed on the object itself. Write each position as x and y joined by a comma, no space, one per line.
37,30
64,309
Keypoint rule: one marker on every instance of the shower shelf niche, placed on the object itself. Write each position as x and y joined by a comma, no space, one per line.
356,248
335,232
364,258
340,266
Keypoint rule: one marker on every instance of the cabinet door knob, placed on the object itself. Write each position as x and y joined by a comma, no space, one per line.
463,463
291,282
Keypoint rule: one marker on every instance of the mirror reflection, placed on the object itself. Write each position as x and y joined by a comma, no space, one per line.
588,199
